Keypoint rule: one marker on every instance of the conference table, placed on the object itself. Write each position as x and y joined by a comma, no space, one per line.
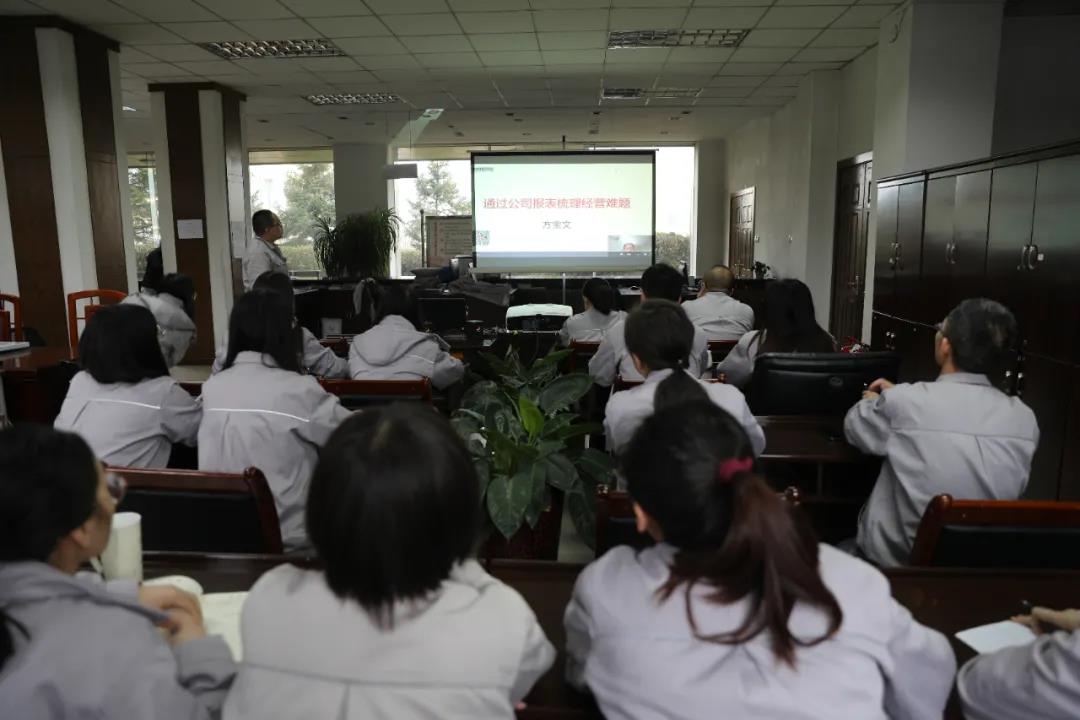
947,599
29,387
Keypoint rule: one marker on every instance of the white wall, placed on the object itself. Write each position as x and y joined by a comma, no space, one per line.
891,96
821,208
9,278
858,91
712,204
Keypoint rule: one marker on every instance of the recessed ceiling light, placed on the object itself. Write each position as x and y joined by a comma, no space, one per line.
623,93
375,98
263,120
240,49
128,108
642,93
676,38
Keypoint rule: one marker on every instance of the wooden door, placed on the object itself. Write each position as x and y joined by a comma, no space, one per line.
849,249
1012,210
910,299
967,259
938,236
885,249
741,234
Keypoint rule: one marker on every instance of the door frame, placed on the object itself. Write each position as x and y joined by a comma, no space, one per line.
855,161
731,225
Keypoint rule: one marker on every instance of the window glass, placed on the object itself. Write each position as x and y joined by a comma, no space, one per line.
301,194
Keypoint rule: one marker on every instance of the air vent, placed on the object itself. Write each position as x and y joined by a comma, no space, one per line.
623,93
240,49
353,99
676,38
640,93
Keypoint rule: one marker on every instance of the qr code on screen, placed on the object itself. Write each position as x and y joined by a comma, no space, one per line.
483,238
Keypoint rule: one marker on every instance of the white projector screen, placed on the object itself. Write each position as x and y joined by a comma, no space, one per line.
564,211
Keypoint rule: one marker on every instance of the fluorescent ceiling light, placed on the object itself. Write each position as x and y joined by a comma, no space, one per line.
676,38
375,98
241,49
128,108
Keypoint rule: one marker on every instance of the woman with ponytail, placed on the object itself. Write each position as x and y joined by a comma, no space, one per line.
71,646
600,300
737,611
659,338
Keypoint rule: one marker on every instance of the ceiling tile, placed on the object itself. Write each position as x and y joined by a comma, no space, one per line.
716,18
89,12
18,7
828,54
778,91
386,62
737,80
449,60
496,22
728,3
328,64
623,19
558,21
350,76
586,40
783,81
129,55
207,32
335,27
573,57
801,68
502,59
325,8
158,70
233,79
568,4
139,34
277,29
766,100
715,102
271,66
371,46
818,2
655,3
208,66
700,55
894,3
391,7
171,11
749,68
504,41
764,54
402,74
437,43
846,37
174,53
718,91
431,24
245,9
801,17
482,5
779,38
864,16
636,56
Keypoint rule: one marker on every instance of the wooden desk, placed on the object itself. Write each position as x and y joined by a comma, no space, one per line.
806,439
29,391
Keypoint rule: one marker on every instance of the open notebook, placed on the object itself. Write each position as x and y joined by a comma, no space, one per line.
221,616
995,636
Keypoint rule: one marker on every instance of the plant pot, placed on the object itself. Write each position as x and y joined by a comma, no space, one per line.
539,543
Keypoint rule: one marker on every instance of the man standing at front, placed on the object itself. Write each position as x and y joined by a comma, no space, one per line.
958,435
720,316
262,253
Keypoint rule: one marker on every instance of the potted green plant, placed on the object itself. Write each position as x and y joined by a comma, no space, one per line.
528,446
358,246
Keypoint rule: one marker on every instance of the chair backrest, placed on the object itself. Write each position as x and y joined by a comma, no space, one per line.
11,326
359,394
580,354
998,533
719,349
621,384
616,524
192,511
96,299
815,383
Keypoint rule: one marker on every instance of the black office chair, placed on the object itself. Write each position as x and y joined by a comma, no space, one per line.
815,383
442,315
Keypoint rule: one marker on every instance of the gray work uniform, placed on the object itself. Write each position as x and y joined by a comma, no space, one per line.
738,366
130,424
627,409
262,257
256,414
175,329
1040,680
316,359
612,359
720,316
395,350
471,649
640,658
92,651
589,326
959,435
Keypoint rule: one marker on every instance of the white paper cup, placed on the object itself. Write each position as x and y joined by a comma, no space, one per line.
122,559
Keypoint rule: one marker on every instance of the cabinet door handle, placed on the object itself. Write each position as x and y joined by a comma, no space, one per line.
1023,258
1033,257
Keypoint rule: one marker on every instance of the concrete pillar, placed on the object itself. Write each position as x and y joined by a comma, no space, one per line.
713,204
359,185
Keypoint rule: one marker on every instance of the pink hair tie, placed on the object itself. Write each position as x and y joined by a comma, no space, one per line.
730,468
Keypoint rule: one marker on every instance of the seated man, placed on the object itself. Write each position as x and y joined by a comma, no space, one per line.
720,316
958,435
612,359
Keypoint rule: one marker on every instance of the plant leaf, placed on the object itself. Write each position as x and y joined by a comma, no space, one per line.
531,417
507,499
552,359
558,422
541,496
479,392
483,475
564,392
573,431
583,515
561,473
597,466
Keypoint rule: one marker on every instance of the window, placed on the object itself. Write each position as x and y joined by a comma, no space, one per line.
301,193
142,186
441,187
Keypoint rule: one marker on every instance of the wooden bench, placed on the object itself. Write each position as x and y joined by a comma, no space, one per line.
358,394
580,355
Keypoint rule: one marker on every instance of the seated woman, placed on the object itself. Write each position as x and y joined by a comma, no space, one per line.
315,359
124,403
401,621
172,302
395,350
790,326
260,411
737,611
71,646
1037,680
600,314
659,338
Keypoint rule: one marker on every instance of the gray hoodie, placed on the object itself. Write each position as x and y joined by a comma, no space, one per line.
93,652
395,350
175,329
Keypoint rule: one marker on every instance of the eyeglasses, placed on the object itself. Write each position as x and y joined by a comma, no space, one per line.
117,487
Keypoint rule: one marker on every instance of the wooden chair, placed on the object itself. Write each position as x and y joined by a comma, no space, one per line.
998,534
616,525
194,389
580,354
338,344
192,511
11,326
359,394
103,297
719,349
620,384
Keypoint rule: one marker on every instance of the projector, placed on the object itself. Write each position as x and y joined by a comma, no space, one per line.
537,317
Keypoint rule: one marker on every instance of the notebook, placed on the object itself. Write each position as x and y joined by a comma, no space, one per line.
13,345
995,636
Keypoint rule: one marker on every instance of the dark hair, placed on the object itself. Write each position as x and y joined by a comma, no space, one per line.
662,282
394,503
120,345
394,300
662,336
180,287
155,269
599,292
279,283
732,532
981,332
262,221
790,324
48,487
262,321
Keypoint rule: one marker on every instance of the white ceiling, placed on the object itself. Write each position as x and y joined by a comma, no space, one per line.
544,61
